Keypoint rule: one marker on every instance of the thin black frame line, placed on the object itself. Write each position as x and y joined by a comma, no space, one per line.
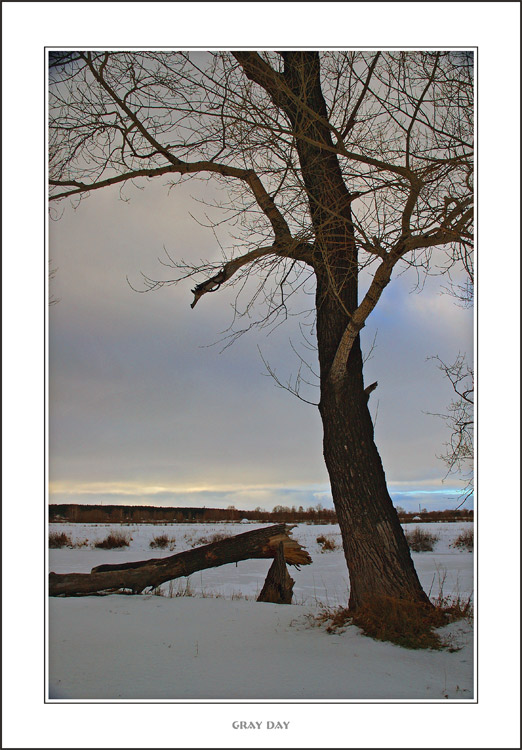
214,48
476,521
260,702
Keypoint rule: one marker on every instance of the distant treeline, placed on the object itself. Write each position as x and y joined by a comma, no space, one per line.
152,514
280,514
434,516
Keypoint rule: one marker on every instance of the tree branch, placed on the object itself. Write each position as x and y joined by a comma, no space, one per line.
228,270
83,187
351,119
357,321
297,250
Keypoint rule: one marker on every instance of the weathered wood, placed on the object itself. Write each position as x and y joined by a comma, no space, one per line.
278,585
137,576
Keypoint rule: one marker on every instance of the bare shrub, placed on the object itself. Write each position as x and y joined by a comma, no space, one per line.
420,540
59,539
113,540
162,541
465,540
327,542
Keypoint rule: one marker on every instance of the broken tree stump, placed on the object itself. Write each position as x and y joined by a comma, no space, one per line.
137,576
278,585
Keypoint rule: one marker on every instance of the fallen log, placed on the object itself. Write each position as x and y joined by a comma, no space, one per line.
137,576
279,584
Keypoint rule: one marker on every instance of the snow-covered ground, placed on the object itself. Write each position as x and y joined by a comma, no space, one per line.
220,644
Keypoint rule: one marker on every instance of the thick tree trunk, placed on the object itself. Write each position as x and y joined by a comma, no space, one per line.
376,551
260,543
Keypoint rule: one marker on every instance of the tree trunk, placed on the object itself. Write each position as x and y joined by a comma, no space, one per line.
376,551
260,543
278,585
375,548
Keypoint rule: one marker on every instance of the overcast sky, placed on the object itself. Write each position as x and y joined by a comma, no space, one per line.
143,409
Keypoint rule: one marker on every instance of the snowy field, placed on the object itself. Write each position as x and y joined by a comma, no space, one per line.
218,643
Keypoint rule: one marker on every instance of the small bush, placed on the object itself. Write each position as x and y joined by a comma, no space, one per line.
113,540
465,540
58,539
328,543
420,541
162,542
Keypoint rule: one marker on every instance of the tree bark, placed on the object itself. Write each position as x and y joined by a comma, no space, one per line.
278,585
260,543
376,551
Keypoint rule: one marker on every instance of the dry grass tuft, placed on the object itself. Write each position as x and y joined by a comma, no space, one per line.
162,541
420,540
405,623
465,540
113,540
58,539
327,543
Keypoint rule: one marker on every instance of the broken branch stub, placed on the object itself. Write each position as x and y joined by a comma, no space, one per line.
279,584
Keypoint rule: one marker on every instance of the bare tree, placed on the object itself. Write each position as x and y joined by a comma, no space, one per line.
331,163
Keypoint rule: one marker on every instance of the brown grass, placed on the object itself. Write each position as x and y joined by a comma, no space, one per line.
327,543
465,540
58,539
162,541
113,540
420,540
405,623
